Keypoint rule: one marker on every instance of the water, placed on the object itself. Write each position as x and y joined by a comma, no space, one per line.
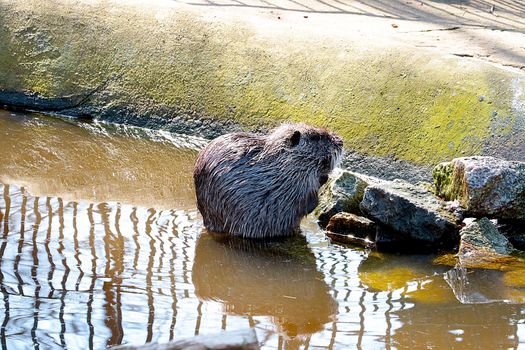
101,244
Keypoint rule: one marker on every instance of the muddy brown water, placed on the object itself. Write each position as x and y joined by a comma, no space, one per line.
101,244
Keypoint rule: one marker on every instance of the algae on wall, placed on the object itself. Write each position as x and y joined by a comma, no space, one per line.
152,66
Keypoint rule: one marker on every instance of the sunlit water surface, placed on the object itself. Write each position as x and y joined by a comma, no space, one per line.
101,244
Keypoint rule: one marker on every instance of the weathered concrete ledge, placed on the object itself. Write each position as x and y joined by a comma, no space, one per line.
242,339
208,70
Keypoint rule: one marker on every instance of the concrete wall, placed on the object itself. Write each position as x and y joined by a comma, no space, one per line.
208,70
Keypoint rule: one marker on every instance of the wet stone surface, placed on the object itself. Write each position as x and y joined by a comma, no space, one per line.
342,193
351,224
481,242
411,213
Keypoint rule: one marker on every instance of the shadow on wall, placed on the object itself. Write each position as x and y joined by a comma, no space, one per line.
463,17
466,12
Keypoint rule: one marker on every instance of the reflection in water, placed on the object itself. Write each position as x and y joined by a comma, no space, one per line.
80,270
481,286
75,261
278,279
107,273
381,272
97,162
486,326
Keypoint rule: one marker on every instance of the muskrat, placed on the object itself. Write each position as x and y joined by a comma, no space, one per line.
261,186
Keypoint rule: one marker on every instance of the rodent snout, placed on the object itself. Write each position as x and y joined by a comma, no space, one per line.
323,179
338,141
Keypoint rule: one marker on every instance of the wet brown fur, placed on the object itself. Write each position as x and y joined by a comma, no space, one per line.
261,186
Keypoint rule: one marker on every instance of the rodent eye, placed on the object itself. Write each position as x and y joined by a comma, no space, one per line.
325,163
323,179
295,138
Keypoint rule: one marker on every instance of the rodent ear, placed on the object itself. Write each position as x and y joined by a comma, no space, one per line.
295,138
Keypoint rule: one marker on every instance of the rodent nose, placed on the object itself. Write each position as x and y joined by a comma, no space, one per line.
337,140
323,179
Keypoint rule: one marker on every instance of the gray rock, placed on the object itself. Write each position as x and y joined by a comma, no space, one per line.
411,213
485,186
482,243
343,192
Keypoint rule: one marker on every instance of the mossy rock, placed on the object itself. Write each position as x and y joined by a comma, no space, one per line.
484,186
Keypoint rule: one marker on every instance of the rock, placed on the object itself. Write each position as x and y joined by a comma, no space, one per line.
343,192
351,229
481,244
243,339
390,241
483,234
455,208
411,213
346,223
485,186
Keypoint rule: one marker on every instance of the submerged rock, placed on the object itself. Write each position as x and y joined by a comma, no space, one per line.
481,244
350,223
384,272
482,286
350,239
412,213
343,192
351,229
485,186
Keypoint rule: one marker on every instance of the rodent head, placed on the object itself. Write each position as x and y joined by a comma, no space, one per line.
312,150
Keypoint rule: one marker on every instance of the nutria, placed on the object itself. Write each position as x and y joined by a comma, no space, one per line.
261,186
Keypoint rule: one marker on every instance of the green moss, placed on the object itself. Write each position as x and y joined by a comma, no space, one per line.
442,175
382,102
